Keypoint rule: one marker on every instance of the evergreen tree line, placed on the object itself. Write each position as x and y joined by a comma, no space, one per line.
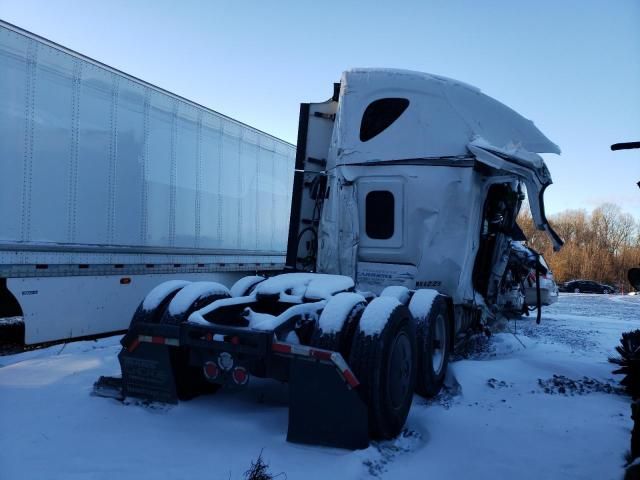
601,245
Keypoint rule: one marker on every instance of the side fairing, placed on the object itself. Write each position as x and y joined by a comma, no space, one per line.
339,231
315,128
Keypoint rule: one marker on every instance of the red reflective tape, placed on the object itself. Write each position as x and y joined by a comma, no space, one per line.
321,354
133,345
157,340
281,347
350,378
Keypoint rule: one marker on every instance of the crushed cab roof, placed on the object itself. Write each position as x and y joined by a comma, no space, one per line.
443,117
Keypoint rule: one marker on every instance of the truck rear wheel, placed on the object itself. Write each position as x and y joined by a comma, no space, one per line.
385,364
190,380
433,338
246,285
338,323
190,298
153,306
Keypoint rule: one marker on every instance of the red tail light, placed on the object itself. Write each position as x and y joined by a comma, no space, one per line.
240,375
211,370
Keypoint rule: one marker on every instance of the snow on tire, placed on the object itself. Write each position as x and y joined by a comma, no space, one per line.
402,294
190,298
338,322
431,313
383,358
245,285
154,304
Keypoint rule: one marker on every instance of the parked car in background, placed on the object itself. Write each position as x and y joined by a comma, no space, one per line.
587,286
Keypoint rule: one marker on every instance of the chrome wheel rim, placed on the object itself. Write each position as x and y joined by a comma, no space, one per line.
439,348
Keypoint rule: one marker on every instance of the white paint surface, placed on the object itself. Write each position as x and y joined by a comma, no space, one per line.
66,307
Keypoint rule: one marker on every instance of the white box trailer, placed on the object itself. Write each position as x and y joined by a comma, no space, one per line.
110,185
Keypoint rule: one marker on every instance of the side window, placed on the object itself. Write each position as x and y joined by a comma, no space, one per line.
380,214
379,115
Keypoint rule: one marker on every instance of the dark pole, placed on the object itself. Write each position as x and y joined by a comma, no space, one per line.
625,146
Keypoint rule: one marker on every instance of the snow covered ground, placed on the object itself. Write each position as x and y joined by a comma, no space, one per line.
542,405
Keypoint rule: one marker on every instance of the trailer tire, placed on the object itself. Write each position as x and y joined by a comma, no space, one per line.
385,365
349,307
433,339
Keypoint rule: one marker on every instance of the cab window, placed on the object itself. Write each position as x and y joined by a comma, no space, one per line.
380,214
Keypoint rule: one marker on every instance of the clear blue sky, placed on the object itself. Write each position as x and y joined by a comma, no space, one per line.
572,66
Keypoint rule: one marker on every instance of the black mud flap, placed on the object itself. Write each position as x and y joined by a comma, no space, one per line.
323,410
147,373
110,387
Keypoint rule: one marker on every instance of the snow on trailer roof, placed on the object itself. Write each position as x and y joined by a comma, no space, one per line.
441,118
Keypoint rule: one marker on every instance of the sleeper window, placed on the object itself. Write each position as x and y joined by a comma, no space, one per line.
379,116
380,208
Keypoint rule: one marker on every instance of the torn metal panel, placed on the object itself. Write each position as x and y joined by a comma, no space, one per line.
521,164
443,116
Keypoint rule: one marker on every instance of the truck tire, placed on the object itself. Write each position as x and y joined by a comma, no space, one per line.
433,332
163,294
190,380
385,365
191,298
403,294
246,285
338,323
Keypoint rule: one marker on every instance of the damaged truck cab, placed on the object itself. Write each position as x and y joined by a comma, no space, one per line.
402,233
410,179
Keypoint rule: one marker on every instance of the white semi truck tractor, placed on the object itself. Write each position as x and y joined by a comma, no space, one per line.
405,197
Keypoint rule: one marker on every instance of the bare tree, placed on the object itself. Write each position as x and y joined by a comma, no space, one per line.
600,246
